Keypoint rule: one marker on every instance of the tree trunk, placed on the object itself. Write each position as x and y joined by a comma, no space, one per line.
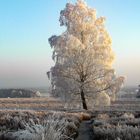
83,100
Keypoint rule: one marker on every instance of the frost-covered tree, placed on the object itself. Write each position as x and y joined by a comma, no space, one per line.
83,55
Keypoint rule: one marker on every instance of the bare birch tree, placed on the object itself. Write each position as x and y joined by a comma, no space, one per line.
83,55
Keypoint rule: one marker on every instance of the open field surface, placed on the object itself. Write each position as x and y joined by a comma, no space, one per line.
122,105
30,103
61,125
50,103
49,119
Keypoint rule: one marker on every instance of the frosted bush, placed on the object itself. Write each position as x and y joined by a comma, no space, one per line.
102,99
128,115
59,127
116,126
113,97
117,133
55,129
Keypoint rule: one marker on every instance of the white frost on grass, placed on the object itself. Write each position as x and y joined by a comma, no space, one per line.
56,126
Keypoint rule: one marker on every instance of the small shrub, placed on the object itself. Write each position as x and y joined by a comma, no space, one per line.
103,116
128,115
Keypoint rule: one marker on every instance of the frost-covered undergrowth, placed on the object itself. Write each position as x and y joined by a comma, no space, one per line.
38,126
119,126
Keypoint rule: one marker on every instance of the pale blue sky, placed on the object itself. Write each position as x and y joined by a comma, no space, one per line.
26,25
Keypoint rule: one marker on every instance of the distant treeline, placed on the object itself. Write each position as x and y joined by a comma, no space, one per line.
18,93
